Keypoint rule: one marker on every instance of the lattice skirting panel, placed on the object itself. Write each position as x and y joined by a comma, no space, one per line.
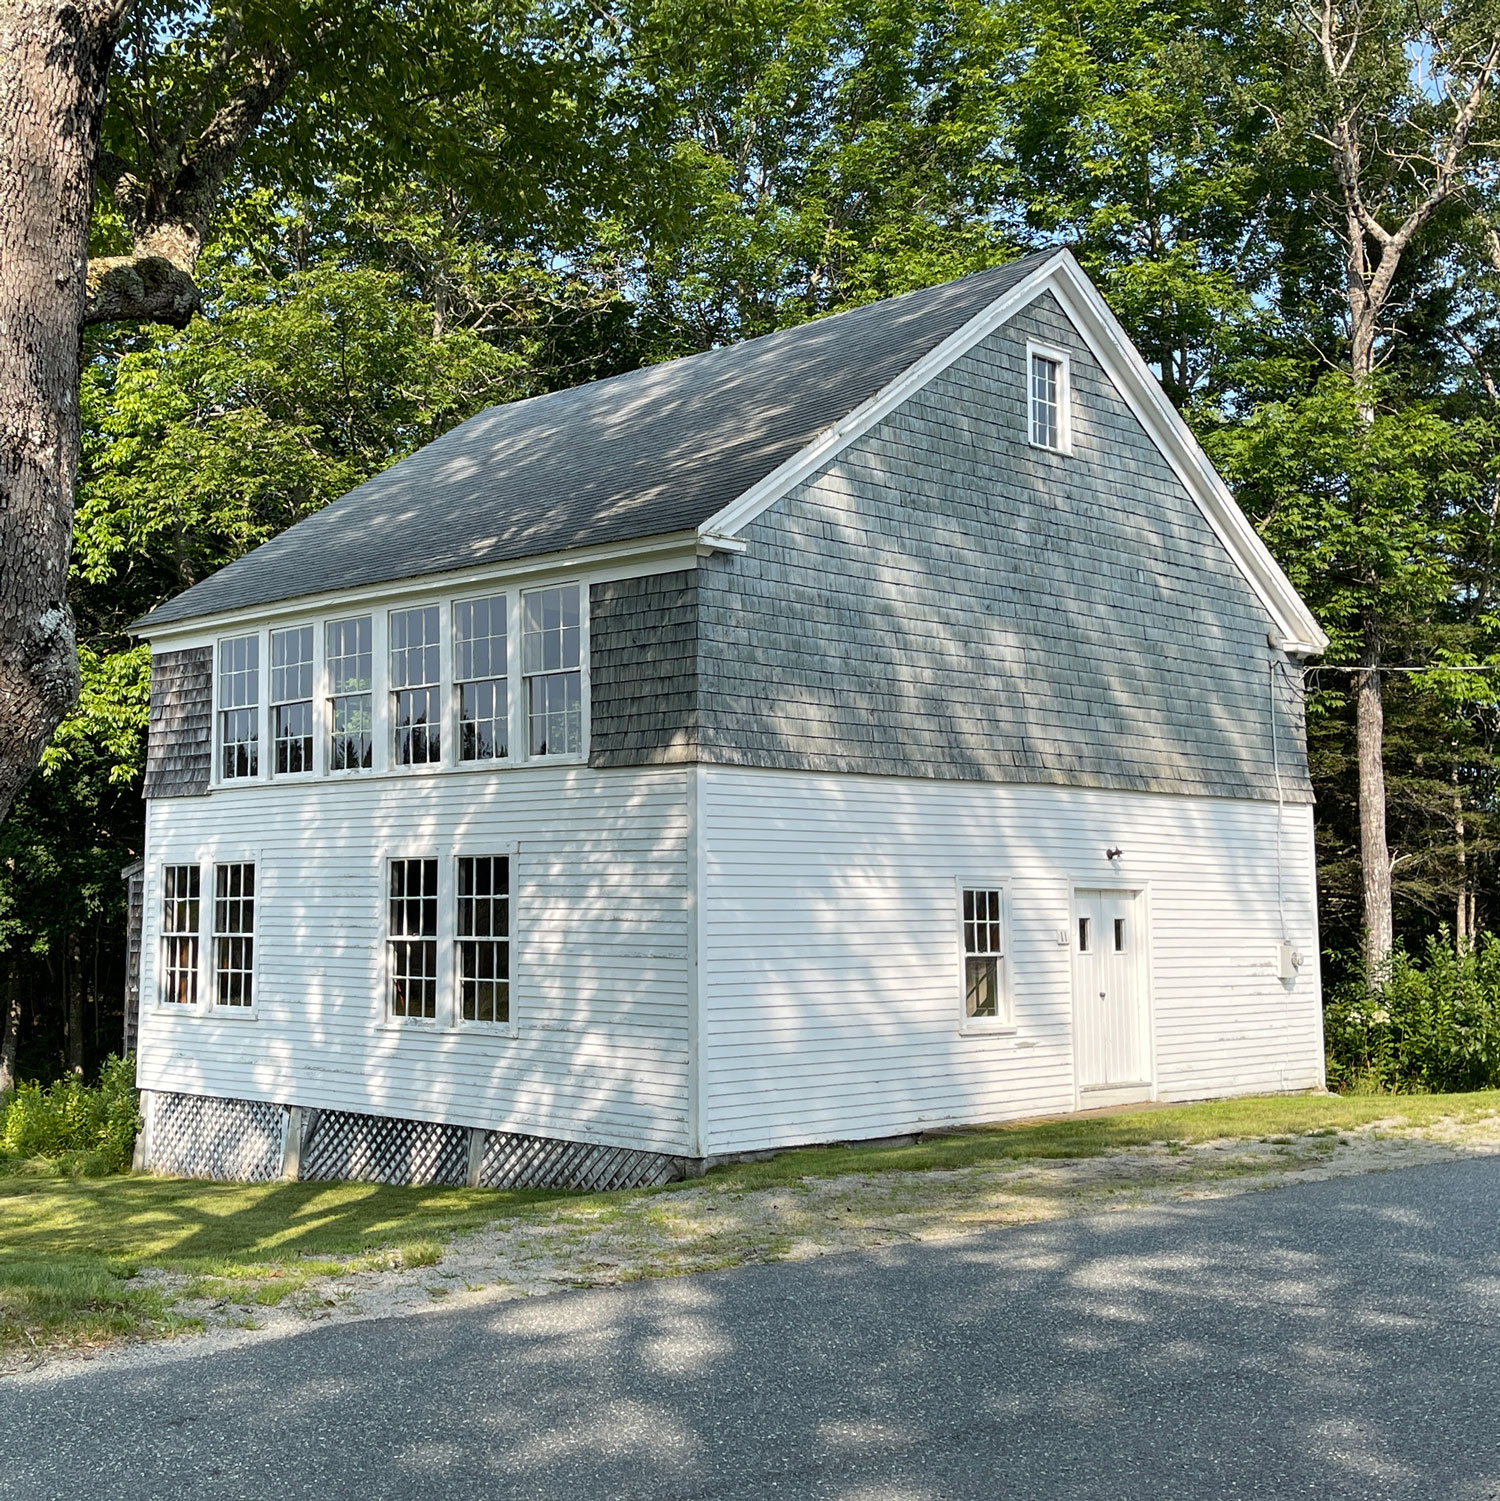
196,1136
511,1161
382,1149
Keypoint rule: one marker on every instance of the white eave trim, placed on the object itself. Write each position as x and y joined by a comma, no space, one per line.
1298,632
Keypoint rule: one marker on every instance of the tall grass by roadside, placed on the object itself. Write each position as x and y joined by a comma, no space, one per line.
69,1127
1431,1024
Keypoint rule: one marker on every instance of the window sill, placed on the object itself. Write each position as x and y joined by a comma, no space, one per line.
988,1029
435,1028
203,1012
1061,453
398,773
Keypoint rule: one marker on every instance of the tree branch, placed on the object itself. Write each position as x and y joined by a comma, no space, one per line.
139,289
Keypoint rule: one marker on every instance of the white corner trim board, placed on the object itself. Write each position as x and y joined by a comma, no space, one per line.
1297,630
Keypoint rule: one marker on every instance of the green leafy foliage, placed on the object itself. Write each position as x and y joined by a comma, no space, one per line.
1432,1024
70,1127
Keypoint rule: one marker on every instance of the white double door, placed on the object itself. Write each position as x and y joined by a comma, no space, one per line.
1111,1031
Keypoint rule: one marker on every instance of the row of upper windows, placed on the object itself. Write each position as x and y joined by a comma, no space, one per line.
326,707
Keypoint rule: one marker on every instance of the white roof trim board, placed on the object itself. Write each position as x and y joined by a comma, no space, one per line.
1297,631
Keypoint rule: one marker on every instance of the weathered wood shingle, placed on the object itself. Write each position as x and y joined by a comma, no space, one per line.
179,747
947,601
643,670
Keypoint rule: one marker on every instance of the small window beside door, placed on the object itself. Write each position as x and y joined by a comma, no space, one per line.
985,993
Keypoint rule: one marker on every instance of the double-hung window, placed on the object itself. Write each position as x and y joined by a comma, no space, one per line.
181,904
416,717
1048,385
234,933
552,647
239,707
483,936
412,939
292,699
479,676
350,670
984,954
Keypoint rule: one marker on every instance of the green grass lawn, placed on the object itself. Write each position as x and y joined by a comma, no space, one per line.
67,1245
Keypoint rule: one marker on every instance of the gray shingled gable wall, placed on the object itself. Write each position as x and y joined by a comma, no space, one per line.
947,601
179,744
643,670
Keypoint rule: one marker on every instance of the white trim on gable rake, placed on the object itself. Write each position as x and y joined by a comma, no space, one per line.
1296,630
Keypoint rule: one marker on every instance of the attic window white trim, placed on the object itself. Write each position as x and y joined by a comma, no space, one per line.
1049,398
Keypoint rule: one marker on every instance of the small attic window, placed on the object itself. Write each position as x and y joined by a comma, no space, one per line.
1048,387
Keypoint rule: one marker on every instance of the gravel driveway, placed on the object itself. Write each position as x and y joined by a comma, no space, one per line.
1332,1339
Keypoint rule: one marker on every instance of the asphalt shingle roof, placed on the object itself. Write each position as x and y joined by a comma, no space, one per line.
655,451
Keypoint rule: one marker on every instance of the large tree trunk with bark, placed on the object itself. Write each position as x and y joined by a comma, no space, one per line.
54,62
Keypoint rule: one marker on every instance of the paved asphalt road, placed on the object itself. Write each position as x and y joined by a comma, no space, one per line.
1333,1339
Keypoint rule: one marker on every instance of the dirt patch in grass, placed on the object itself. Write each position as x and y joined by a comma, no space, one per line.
796,1206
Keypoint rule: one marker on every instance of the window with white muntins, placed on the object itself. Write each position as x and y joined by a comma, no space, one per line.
351,666
984,987
421,688
292,700
552,655
234,933
412,939
479,677
482,933
1047,383
416,714
239,707
181,887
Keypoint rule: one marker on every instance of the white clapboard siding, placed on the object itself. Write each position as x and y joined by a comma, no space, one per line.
830,948
599,970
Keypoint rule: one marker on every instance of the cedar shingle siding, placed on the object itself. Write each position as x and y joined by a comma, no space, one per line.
179,751
947,601
643,670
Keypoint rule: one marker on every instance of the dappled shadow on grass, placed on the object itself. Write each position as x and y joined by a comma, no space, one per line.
1076,1136
1335,1341
67,1245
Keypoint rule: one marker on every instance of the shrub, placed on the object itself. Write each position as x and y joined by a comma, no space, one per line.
72,1126
1431,1024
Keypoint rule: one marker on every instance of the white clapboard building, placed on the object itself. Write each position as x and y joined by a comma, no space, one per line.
876,726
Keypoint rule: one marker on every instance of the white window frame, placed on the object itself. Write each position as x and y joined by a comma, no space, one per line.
978,1026
258,709
318,698
381,694
510,608
323,716
442,1008
1036,350
201,978
442,689
522,679
496,850
209,921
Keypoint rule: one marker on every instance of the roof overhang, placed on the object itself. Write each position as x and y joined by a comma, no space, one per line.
614,560
1295,632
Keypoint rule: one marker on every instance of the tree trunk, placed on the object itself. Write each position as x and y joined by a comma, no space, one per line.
10,1027
73,987
1375,860
54,62
1462,934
